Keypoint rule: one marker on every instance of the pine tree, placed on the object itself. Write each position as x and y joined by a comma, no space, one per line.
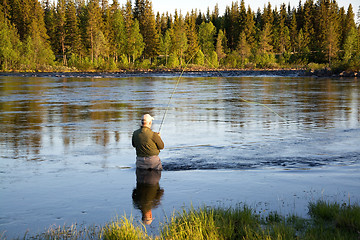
100,45
106,16
60,29
167,44
72,31
215,17
144,13
282,38
192,35
243,49
10,44
206,38
327,28
348,24
250,28
5,8
50,22
221,45
307,21
37,52
129,23
293,31
264,46
179,41
349,44
94,26
161,23
135,44
242,16
117,32
231,24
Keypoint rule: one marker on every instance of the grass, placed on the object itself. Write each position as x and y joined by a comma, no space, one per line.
326,221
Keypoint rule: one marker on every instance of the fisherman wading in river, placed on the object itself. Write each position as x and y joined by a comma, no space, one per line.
148,145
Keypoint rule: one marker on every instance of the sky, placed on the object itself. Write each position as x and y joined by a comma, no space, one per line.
187,5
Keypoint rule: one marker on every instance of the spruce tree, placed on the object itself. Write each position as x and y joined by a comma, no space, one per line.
293,31
179,41
348,24
250,28
206,38
191,33
50,22
282,42
167,44
135,42
221,46
231,24
94,26
144,13
264,44
308,31
117,32
243,49
60,29
10,44
327,29
72,31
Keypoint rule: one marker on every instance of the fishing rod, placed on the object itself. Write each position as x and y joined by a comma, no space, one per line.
173,92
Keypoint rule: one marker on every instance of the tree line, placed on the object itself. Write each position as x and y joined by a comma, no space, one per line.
96,35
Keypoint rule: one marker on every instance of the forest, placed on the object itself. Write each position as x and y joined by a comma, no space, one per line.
96,35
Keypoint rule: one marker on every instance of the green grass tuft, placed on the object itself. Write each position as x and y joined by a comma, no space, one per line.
123,229
327,221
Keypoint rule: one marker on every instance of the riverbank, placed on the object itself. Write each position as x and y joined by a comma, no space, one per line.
326,220
189,72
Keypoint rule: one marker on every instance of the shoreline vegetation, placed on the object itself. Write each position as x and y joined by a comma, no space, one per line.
202,72
327,220
99,36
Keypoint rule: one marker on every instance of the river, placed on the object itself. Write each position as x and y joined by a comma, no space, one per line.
271,142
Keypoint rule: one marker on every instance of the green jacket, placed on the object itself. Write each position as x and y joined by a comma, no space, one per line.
146,142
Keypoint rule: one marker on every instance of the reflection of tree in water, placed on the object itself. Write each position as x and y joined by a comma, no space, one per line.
147,194
77,111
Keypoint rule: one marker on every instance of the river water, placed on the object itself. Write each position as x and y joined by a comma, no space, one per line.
272,142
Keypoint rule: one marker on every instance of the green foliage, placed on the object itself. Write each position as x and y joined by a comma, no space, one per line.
134,44
123,229
199,58
206,37
265,60
192,224
173,61
333,221
9,44
315,66
327,221
213,60
145,64
221,45
33,34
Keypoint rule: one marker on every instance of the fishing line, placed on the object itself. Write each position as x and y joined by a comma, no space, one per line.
241,98
247,101
173,92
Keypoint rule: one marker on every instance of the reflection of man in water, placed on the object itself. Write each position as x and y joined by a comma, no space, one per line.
148,145
147,194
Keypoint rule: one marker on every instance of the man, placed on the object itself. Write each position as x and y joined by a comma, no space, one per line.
148,145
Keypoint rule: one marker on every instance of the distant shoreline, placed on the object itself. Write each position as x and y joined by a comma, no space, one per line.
187,72
200,73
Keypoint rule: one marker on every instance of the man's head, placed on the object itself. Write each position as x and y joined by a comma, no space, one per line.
146,120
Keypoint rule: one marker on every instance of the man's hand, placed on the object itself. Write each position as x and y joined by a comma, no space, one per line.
159,134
